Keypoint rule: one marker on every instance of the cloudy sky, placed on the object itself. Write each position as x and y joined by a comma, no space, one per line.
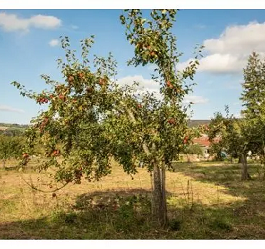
29,47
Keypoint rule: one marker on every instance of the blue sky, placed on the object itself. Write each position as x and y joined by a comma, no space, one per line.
28,48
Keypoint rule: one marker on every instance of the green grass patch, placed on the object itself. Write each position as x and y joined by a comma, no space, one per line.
205,201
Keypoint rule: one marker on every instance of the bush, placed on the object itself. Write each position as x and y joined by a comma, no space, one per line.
194,149
10,147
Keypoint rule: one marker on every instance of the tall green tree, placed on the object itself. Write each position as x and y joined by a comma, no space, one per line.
253,98
253,95
91,119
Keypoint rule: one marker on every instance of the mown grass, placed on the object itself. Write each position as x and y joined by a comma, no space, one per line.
205,200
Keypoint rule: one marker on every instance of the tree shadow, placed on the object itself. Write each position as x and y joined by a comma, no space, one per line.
10,168
121,214
126,214
226,175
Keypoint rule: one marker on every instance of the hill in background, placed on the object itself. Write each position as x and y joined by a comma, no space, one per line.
12,129
4,127
198,122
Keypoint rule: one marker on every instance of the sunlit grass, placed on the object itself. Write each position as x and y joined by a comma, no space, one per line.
206,200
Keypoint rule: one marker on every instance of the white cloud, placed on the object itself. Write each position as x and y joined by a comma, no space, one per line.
195,99
222,63
10,109
148,84
218,63
11,22
145,85
54,42
152,86
239,39
229,52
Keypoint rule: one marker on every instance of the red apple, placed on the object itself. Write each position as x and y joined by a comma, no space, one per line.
55,153
89,89
171,121
71,78
153,53
170,85
101,81
62,97
81,75
25,155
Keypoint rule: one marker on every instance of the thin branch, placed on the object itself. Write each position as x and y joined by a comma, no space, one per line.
40,190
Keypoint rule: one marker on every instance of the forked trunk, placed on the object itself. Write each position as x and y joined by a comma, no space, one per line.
159,206
244,173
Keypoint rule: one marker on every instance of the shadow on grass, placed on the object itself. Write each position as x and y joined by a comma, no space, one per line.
97,215
247,214
228,176
10,168
126,222
126,214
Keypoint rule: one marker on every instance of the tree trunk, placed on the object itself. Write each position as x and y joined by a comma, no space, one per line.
4,163
262,162
244,172
164,197
159,206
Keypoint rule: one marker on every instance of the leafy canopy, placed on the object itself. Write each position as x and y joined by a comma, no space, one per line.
90,119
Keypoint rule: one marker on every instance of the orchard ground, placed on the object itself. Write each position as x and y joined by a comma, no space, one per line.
206,200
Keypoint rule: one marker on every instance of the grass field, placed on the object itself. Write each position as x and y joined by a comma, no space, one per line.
205,200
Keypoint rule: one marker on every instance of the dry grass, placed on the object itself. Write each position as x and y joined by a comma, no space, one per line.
206,200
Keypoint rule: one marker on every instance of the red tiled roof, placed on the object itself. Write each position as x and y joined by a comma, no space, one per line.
204,141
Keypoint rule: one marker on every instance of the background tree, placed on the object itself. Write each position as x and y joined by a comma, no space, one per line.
10,147
90,118
194,149
253,97
234,138
216,131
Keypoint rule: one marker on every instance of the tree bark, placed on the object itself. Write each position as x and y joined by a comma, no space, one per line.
159,206
164,197
244,173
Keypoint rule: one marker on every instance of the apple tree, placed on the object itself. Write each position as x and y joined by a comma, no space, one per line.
91,119
235,137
